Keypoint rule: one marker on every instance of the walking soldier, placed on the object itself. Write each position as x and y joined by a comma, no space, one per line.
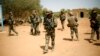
95,24
62,18
35,20
50,25
72,23
11,23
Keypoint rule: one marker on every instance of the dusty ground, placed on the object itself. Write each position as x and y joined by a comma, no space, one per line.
28,45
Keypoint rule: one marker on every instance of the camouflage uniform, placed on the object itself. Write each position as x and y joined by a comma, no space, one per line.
62,18
50,25
95,24
35,20
72,23
11,23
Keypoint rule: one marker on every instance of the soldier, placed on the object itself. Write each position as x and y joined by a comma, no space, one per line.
11,23
94,23
31,21
72,23
35,20
50,24
62,18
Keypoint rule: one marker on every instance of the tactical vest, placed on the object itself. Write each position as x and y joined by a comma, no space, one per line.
50,24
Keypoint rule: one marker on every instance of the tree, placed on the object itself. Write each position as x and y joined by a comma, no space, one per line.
19,7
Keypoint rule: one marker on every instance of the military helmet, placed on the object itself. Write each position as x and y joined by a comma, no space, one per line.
70,13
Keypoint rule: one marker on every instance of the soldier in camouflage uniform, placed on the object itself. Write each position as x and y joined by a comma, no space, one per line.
95,24
50,24
62,18
72,23
11,23
35,20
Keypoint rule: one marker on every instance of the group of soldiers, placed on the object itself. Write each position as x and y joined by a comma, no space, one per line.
50,23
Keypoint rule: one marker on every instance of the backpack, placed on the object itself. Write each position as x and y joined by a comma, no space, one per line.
62,17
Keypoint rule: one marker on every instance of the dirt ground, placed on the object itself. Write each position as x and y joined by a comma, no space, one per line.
27,45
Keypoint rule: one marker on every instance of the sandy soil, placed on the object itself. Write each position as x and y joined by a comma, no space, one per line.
27,45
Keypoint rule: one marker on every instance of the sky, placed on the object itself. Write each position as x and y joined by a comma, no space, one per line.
57,5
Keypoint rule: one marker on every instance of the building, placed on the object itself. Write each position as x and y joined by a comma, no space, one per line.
80,13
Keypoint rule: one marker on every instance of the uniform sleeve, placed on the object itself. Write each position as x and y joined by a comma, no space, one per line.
68,20
30,19
76,19
55,21
98,19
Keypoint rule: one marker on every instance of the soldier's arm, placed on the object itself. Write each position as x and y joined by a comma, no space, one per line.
68,21
76,19
44,20
55,21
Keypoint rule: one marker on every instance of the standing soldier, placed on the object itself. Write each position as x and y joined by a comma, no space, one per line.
11,23
94,23
50,25
35,20
72,23
62,18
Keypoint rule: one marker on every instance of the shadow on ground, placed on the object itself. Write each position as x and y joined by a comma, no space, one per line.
11,35
43,47
87,33
97,44
89,40
67,39
60,29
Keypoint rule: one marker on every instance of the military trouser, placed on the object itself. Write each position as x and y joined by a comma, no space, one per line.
93,31
47,39
31,29
62,23
36,28
11,28
74,29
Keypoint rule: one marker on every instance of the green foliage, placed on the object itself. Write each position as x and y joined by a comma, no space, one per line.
56,14
19,7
